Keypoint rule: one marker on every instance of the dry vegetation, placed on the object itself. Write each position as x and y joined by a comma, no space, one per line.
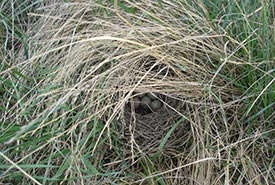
74,119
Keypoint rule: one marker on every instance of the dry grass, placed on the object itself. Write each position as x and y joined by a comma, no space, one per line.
95,59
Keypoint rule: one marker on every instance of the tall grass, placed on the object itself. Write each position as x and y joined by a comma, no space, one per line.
68,69
253,22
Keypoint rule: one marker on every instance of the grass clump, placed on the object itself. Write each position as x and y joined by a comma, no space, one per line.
73,120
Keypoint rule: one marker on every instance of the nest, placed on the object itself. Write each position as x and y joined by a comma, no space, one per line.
148,128
102,63
102,70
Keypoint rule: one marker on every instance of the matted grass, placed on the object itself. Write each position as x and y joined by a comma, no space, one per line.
68,116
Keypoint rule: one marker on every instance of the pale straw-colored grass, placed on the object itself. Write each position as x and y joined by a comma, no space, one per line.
97,58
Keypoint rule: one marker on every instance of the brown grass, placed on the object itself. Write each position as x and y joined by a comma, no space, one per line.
99,62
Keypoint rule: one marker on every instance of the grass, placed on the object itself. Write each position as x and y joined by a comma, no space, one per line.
69,69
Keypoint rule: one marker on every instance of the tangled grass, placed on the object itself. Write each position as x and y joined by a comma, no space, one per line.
76,123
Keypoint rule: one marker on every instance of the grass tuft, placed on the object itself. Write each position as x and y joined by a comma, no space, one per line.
71,71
